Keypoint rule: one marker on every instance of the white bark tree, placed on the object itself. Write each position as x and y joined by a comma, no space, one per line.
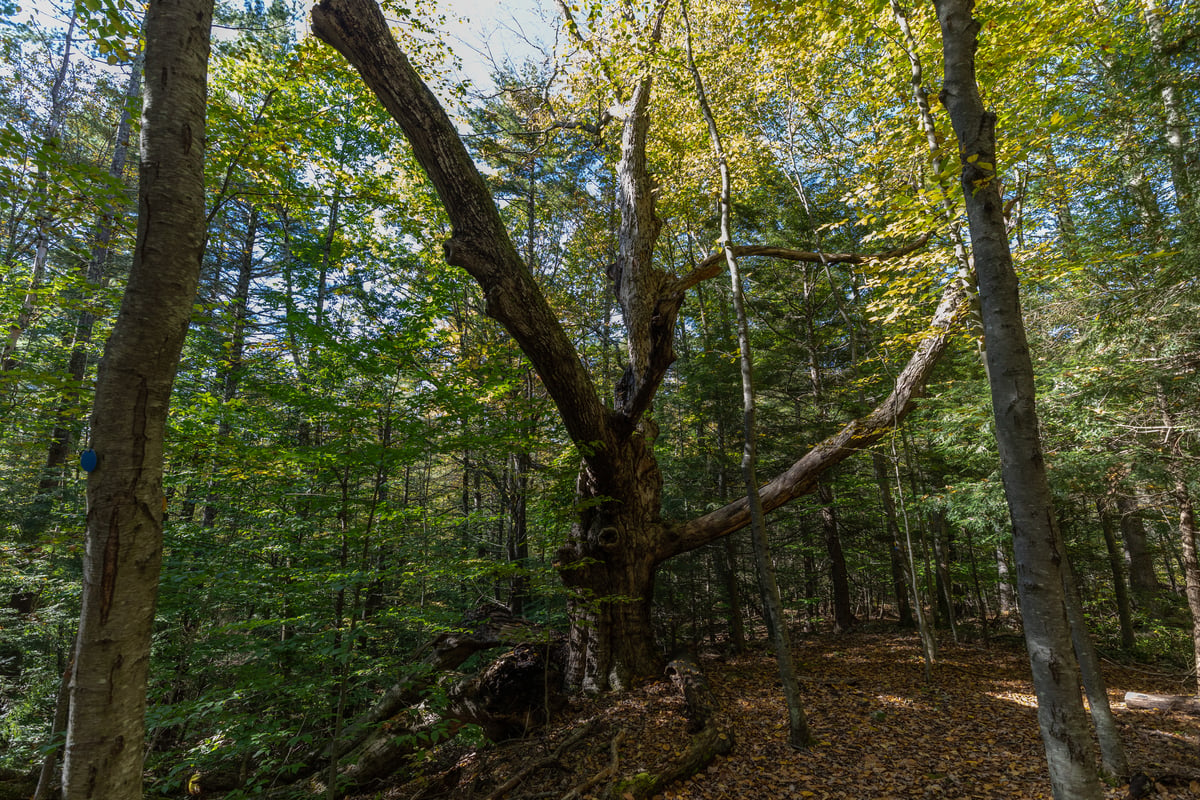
1036,541
106,727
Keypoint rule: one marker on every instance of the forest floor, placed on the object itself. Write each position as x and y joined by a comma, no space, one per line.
882,730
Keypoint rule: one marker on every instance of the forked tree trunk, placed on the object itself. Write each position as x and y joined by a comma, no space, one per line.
105,732
609,560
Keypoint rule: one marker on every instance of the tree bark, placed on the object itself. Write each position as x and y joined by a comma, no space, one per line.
891,539
1112,750
1143,581
1162,702
843,615
105,732
1008,601
1187,523
1177,124
1065,733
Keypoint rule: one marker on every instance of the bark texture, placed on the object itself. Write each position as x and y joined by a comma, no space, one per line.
1064,727
103,756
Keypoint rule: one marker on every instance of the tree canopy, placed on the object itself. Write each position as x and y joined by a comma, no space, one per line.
457,348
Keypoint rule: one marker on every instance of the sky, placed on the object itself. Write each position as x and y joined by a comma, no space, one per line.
493,31
481,32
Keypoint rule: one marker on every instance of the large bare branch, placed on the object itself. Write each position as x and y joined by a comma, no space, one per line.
480,243
855,437
711,266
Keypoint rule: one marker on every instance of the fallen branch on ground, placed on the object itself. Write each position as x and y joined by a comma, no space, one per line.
548,761
1163,702
614,762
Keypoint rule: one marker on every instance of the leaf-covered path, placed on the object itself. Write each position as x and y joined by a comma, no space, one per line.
883,731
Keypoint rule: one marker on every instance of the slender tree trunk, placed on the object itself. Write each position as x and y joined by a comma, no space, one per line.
47,776
1008,600
1187,523
1191,564
900,581
1176,129
231,366
42,199
105,732
928,640
62,440
1112,751
798,733
517,540
1143,581
1115,565
943,556
843,614
1064,727
980,599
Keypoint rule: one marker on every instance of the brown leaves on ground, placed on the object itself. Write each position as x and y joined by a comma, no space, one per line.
882,731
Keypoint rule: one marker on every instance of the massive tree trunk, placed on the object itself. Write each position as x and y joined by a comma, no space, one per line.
105,732
620,537
1064,727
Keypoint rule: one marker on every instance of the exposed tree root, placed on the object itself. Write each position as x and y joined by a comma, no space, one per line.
614,763
711,735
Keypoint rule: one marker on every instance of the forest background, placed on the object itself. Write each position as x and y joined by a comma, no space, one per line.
356,455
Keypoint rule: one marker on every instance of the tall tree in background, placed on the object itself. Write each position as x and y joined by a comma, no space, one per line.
104,748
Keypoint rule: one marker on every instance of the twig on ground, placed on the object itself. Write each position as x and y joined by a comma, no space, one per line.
549,760
608,772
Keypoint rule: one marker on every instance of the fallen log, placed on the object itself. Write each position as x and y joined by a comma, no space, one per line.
517,692
511,696
485,627
552,760
1163,702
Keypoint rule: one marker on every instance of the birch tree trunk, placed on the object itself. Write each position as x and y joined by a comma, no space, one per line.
106,730
1064,724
